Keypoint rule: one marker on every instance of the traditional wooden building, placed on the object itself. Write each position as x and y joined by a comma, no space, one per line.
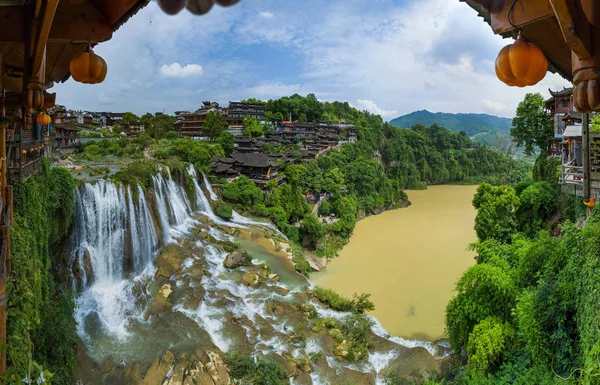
191,124
238,111
65,138
259,167
567,33
132,128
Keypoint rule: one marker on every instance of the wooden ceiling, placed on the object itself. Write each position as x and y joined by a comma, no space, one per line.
62,27
538,23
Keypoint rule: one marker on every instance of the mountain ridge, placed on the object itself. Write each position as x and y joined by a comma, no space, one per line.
471,123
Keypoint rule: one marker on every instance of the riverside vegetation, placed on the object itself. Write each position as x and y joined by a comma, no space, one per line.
527,312
359,179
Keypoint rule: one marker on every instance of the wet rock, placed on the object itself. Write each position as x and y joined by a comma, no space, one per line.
281,308
198,375
217,369
281,290
178,371
108,365
291,366
262,271
303,379
133,374
413,365
159,369
316,263
273,278
161,301
168,261
251,279
237,259
87,266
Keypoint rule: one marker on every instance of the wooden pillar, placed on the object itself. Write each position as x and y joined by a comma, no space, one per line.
3,221
585,133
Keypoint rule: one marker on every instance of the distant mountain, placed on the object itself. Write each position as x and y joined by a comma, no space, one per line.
472,124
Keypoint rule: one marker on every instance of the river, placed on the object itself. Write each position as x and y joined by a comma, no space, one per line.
409,260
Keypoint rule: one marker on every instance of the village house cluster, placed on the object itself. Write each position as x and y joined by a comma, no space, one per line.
257,158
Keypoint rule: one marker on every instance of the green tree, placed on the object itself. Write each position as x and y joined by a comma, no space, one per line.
487,343
243,191
302,118
483,291
214,124
532,127
252,128
496,212
129,117
227,142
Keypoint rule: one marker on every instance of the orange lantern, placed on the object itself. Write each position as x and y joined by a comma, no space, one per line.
43,118
88,68
521,64
24,151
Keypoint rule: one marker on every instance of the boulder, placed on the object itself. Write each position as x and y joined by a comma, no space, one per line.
273,278
237,259
161,301
159,369
179,371
281,290
251,279
217,369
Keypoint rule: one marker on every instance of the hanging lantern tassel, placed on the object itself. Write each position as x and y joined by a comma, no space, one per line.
521,64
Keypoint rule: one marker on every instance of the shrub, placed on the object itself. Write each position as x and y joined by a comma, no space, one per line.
487,342
223,210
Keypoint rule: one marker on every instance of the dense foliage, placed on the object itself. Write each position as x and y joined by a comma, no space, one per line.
255,372
40,324
527,312
472,124
532,127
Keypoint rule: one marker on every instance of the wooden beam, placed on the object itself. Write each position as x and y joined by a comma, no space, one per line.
575,27
524,13
79,23
44,24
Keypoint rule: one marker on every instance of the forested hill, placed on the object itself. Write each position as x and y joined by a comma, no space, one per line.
472,124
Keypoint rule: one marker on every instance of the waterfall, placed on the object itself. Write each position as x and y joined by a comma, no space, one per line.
212,194
203,205
109,225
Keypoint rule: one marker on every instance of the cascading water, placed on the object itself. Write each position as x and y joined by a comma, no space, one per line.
212,194
115,234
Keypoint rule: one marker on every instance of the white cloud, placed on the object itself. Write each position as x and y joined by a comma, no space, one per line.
370,106
266,15
493,107
175,70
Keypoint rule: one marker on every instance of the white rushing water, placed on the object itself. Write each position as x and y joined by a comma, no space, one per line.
115,238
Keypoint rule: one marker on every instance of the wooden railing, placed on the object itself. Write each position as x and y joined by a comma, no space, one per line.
24,171
572,174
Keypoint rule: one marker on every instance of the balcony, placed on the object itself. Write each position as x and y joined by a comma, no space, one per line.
24,171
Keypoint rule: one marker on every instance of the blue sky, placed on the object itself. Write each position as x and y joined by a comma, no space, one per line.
390,57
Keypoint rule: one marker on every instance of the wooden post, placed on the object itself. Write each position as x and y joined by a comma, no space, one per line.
585,133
